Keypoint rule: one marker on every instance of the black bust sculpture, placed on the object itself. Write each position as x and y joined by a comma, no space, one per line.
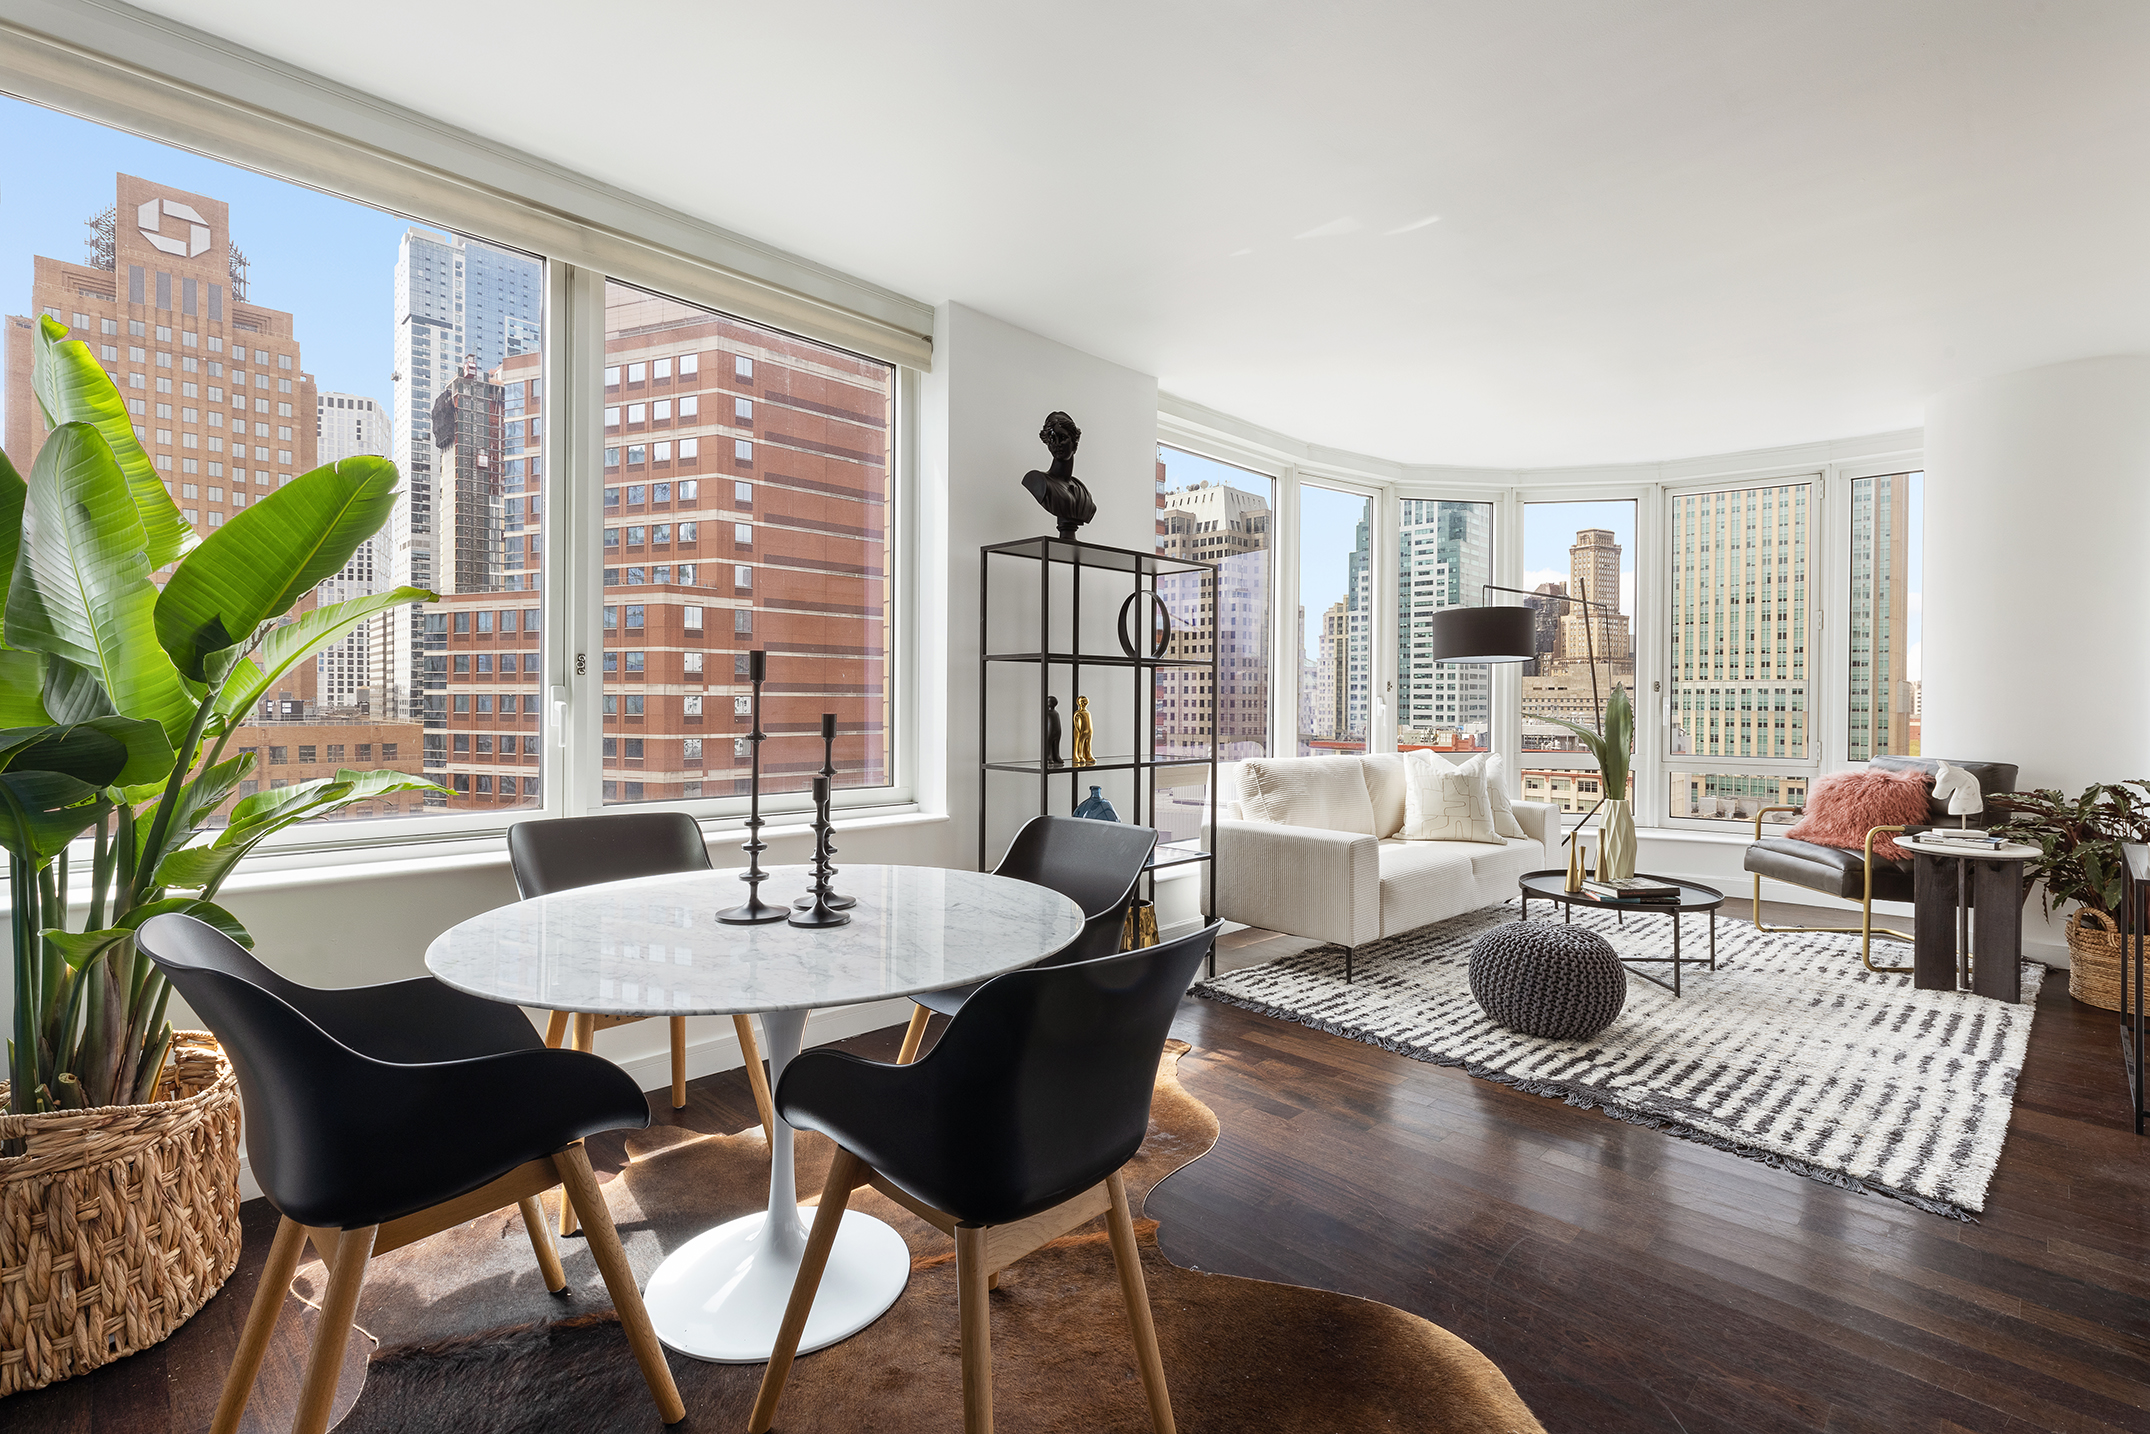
1057,489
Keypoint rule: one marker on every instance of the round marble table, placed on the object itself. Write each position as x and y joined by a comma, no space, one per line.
653,947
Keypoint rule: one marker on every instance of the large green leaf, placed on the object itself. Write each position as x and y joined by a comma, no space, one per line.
22,680
73,693
286,646
103,752
72,388
197,799
41,812
12,492
271,811
82,588
270,555
82,947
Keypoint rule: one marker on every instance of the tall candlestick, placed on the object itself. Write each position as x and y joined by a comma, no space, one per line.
755,911
828,770
820,912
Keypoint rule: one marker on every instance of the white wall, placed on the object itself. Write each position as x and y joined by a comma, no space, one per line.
2037,507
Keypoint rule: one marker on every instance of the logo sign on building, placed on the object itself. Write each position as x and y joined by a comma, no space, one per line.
184,217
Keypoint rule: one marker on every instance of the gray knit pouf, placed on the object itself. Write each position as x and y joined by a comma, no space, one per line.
1548,979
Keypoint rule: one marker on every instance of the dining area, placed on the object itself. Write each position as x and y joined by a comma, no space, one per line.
1005,1133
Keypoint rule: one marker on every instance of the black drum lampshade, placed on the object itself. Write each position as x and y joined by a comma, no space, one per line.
1484,634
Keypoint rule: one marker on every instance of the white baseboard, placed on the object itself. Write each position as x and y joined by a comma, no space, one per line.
709,1054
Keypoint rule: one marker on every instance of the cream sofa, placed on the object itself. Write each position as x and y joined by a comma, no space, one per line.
1343,876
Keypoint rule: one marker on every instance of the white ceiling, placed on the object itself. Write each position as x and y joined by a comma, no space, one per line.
1665,229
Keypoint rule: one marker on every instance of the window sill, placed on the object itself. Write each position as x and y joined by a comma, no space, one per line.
481,851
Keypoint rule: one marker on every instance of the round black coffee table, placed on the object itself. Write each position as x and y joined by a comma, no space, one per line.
1694,898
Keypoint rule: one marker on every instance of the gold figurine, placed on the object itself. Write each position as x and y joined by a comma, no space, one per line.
1083,758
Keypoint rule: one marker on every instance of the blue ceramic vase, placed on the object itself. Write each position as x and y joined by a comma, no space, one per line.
1096,807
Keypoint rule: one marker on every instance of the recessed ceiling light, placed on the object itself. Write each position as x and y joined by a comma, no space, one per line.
1416,224
1332,229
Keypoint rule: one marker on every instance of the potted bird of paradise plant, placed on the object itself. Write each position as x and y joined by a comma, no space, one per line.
119,695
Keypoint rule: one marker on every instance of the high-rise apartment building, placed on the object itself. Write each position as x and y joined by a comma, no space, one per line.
1217,523
214,383
1738,658
349,674
1335,671
455,298
1358,674
1879,721
1547,610
746,505
1594,575
1445,555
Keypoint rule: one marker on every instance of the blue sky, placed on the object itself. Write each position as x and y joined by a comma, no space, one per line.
330,262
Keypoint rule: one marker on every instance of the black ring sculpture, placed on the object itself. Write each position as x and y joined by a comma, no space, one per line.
1160,624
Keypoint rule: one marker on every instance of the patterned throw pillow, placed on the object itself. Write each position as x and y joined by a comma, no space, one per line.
1445,803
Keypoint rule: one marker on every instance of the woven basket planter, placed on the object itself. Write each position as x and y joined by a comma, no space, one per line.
2094,948
119,1223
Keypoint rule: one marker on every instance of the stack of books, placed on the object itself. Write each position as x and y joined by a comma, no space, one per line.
1631,891
1954,841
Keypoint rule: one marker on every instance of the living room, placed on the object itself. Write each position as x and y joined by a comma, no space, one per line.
1313,509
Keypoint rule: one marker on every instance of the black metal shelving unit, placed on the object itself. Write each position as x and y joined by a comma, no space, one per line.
1139,571
2134,921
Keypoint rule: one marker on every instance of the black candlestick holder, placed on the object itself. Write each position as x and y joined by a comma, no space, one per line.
828,769
820,912
756,911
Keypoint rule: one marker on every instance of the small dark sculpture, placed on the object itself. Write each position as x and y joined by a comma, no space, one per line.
1052,733
1057,489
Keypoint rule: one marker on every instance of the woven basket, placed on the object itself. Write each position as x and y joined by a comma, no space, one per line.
120,1222
2094,948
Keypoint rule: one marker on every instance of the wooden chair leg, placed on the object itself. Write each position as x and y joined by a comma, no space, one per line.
679,1062
584,1039
757,1078
913,1034
1128,1259
975,1318
347,1272
845,1173
555,1029
580,1184
548,1255
284,1253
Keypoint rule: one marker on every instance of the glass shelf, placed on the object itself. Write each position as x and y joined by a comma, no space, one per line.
1104,764
1100,659
1097,555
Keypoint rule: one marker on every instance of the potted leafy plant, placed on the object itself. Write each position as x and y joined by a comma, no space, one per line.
118,697
2079,840
1612,746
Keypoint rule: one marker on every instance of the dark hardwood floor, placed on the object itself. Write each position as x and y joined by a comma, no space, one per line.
1623,1279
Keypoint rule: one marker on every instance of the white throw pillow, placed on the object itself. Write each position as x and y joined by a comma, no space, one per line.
1446,803
1325,792
1504,820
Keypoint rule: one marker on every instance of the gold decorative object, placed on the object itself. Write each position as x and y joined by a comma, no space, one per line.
1574,882
1140,927
1083,729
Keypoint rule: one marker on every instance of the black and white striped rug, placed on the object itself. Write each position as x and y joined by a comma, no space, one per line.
1790,1052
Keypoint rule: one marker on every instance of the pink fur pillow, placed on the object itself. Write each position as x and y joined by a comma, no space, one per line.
1844,806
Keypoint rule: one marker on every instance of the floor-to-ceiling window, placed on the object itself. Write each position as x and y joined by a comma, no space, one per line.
1882,611
1444,554
1741,682
1214,512
1575,553
1336,607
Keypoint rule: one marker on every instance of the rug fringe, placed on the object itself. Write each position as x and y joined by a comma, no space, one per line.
1584,1099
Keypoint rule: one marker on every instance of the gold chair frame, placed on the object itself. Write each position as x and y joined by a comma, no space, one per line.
1866,929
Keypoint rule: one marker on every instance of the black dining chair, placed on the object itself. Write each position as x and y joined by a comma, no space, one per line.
1007,1135
379,1115
1094,864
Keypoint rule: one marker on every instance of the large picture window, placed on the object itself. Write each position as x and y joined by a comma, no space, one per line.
1882,617
243,320
1213,512
1575,553
1336,607
718,422
1444,559
1741,622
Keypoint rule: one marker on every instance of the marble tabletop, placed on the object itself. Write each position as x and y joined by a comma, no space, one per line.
653,946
